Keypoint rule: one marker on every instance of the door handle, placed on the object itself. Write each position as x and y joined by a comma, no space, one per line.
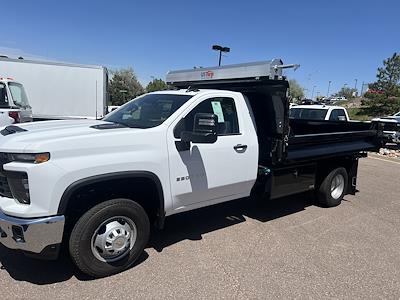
240,148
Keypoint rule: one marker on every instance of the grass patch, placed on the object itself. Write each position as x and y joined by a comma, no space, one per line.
358,113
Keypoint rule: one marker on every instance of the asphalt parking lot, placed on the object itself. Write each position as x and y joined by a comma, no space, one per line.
286,248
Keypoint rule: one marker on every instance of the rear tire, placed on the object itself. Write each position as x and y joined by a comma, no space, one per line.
333,188
109,237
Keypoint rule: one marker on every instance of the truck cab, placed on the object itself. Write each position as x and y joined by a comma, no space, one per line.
14,104
319,112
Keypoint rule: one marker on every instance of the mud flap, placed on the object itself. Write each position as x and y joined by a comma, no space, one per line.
352,184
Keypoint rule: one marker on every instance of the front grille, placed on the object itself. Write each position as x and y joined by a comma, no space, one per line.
4,187
4,159
391,126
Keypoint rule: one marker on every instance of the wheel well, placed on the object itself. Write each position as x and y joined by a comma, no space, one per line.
85,194
326,166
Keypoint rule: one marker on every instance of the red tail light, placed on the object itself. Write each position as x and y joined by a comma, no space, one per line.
15,115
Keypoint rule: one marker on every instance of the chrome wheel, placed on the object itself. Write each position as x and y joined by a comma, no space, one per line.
337,186
113,239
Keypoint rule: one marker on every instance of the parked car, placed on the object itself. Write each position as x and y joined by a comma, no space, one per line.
98,185
14,104
308,102
338,98
391,127
319,112
396,137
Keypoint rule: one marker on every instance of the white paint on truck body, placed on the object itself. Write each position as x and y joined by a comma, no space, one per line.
79,151
60,90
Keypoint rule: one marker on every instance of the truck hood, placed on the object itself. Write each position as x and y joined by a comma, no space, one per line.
391,119
31,136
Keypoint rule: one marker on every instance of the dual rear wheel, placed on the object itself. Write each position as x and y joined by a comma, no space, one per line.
333,188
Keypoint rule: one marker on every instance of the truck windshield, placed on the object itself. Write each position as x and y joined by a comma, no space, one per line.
308,113
18,94
3,96
147,111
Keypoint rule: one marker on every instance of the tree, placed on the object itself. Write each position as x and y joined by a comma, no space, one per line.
376,104
383,96
346,92
124,86
296,90
388,77
156,85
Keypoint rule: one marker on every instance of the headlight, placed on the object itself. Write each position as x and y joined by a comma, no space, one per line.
19,186
35,158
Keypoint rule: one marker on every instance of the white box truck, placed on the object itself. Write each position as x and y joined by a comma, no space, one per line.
60,90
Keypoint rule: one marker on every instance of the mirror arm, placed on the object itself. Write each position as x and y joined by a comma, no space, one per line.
182,145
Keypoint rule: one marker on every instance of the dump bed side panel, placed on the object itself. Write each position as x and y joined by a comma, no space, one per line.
321,139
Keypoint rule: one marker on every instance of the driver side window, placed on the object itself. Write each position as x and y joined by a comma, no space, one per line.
223,108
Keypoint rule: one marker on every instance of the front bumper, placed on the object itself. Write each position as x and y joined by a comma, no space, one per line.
391,136
31,235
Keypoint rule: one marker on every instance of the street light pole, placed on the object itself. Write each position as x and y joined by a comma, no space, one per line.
329,86
355,86
220,49
362,88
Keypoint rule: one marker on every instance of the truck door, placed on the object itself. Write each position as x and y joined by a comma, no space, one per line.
20,100
212,173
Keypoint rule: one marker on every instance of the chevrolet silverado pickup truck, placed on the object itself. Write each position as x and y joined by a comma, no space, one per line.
96,187
319,112
390,128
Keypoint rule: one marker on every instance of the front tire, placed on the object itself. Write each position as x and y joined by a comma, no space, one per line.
333,188
109,237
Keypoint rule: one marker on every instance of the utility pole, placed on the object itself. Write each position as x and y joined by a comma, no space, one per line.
329,86
220,49
312,94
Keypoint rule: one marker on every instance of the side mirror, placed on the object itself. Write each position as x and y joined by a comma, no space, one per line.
204,129
341,118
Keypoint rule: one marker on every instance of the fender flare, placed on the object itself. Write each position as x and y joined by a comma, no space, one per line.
62,207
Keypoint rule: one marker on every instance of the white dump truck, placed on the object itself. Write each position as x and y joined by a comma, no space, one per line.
97,186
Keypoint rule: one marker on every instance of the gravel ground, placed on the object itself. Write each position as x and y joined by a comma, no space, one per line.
286,248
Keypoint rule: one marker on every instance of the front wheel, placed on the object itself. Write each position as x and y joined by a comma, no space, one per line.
333,188
109,237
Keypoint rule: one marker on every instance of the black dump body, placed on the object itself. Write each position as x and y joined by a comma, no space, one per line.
283,141
323,139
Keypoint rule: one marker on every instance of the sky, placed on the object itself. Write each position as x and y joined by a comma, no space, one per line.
337,41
